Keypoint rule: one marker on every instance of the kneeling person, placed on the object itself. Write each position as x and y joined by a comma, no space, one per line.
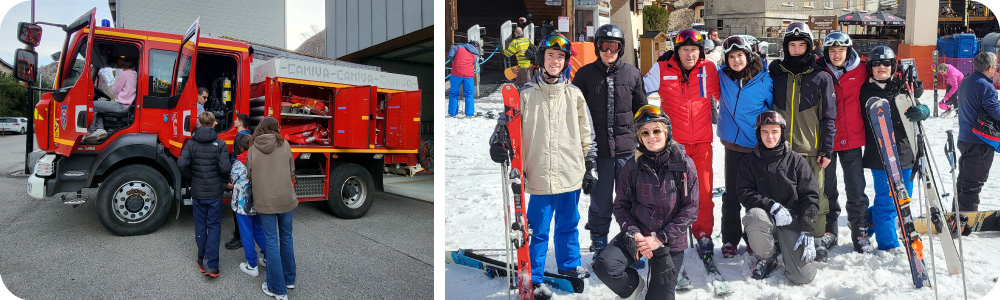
777,187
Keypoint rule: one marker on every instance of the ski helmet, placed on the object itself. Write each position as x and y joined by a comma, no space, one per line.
609,33
651,113
882,55
798,31
770,117
736,43
555,42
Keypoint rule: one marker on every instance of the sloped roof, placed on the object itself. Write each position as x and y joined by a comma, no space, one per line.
650,34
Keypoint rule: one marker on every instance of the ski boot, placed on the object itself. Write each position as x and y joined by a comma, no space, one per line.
728,250
542,291
598,243
763,268
579,272
705,247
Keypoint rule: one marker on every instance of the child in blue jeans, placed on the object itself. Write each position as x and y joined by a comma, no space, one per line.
247,218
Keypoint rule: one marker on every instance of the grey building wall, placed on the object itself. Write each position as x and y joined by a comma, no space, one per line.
355,25
262,22
752,16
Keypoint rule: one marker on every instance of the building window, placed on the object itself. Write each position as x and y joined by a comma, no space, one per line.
828,5
787,3
807,4
718,23
701,13
847,6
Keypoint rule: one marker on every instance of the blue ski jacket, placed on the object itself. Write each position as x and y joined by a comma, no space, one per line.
978,95
739,107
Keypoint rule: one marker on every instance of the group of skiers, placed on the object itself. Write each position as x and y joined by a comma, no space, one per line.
784,125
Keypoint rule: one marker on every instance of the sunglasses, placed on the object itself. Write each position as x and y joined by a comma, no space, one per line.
556,41
654,132
882,63
609,46
688,35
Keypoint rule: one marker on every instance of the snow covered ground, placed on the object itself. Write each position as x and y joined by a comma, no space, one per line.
474,220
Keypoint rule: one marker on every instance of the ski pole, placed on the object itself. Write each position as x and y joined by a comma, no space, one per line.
506,229
952,160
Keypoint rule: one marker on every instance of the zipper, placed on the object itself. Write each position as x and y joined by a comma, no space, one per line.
791,123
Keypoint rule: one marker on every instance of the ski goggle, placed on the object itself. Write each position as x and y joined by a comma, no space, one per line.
688,36
770,117
556,41
736,42
837,38
798,29
883,63
648,113
609,46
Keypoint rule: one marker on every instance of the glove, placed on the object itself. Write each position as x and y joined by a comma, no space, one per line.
663,272
918,113
806,241
715,111
500,151
589,178
781,215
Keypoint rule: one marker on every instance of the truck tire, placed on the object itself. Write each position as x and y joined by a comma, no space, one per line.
351,190
134,200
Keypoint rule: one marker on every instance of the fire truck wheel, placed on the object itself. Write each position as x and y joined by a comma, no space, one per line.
350,191
134,200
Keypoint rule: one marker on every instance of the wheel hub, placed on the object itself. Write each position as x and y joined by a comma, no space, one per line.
354,192
133,201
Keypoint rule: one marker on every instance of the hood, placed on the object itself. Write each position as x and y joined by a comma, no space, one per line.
243,157
266,143
205,135
471,48
853,61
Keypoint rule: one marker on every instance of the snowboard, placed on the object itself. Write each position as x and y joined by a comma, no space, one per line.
493,268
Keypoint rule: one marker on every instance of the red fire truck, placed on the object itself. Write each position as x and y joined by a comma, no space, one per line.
347,125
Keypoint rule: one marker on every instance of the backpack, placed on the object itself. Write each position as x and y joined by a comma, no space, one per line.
531,51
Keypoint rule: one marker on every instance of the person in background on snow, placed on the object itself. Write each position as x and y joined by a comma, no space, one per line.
614,94
653,222
746,92
463,73
688,84
777,187
886,83
850,72
978,97
206,158
952,78
271,167
516,48
804,92
242,204
556,141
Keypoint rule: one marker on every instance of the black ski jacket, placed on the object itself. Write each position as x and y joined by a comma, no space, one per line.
899,102
778,175
614,94
206,157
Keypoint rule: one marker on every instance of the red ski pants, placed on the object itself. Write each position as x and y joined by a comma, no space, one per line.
701,154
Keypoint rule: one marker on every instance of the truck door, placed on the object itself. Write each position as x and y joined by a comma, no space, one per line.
403,120
184,87
71,112
351,117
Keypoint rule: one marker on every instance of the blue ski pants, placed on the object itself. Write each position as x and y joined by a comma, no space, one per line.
883,212
541,209
468,85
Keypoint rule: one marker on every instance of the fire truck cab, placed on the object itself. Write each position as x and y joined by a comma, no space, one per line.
347,126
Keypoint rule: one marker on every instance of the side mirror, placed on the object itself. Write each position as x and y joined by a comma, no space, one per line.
25,65
55,56
29,34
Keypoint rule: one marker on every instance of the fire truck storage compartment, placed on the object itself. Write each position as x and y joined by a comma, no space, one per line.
310,178
402,110
212,73
305,116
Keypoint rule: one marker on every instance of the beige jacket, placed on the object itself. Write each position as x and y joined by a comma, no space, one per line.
556,137
270,169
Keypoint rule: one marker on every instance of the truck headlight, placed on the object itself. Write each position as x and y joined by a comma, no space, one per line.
45,166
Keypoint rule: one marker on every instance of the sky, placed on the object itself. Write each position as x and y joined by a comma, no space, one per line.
301,17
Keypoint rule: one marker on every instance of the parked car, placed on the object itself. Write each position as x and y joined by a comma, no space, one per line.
18,125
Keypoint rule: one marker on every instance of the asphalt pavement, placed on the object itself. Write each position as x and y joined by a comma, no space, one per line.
49,250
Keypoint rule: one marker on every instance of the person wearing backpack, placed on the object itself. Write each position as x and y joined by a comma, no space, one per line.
656,201
522,50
